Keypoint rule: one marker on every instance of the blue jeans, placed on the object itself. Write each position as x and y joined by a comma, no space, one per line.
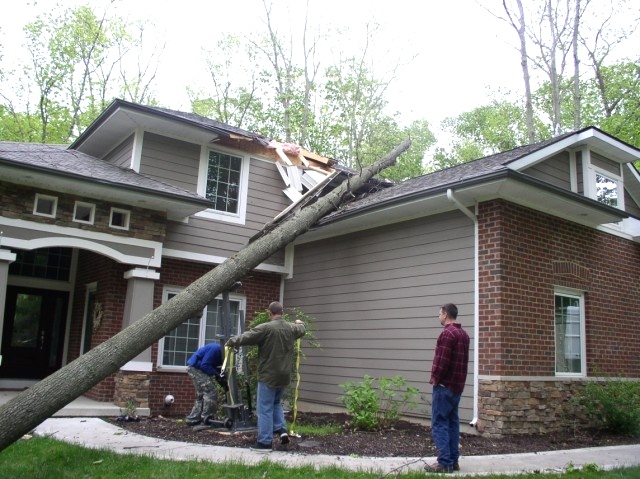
270,412
445,425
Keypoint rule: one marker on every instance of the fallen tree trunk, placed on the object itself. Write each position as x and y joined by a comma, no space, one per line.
34,405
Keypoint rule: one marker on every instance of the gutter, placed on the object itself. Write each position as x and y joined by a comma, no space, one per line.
476,298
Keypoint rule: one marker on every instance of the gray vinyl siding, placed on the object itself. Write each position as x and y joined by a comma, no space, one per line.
122,154
631,191
265,200
172,161
605,163
554,171
375,297
630,206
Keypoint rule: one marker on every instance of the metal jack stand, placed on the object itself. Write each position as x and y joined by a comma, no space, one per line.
239,415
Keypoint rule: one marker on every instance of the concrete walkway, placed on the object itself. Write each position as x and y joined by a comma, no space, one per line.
98,434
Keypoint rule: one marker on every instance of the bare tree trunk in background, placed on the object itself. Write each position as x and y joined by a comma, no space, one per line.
519,25
600,44
31,407
310,72
577,97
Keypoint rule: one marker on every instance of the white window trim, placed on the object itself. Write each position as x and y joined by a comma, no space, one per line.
91,206
236,218
53,199
89,288
594,171
126,213
165,297
558,291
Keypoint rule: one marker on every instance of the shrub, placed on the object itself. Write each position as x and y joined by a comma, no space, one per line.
613,404
372,408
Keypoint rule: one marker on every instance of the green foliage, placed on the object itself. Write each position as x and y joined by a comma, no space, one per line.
485,130
613,404
69,75
372,408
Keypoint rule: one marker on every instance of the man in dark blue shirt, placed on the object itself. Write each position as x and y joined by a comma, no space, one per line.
202,366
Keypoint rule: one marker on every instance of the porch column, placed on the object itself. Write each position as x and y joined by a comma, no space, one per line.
138,303
133,380
6,258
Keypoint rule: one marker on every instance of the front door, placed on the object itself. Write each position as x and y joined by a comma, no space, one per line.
33,332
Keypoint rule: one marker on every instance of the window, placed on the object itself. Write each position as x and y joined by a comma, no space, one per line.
84,212
45,263
569,334
607,190
119,219
223,179
45,205
177,346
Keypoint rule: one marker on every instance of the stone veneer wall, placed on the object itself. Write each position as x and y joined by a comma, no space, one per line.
132,387
522,406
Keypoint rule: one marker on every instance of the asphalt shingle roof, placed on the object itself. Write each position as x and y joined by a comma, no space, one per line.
462,173
59,160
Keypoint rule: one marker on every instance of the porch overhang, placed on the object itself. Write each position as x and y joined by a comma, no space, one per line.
175,207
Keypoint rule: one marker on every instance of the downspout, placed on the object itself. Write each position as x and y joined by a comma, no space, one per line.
476,298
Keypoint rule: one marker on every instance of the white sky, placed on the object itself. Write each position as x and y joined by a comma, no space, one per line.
461,51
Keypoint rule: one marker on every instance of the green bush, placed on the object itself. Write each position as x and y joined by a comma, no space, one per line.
613,405
371,408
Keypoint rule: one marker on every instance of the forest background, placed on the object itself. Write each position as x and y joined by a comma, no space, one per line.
347,79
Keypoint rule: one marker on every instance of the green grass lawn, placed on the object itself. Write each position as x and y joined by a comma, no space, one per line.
44,458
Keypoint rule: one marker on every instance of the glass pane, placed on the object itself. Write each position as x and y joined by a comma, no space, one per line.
181,343
568,340
223,181
606,190
49,263
213,326
26,322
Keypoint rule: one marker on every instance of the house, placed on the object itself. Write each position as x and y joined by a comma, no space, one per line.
538,246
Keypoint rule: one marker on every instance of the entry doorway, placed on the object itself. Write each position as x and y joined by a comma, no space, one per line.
33,332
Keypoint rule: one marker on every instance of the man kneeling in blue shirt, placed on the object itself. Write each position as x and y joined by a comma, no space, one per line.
202,366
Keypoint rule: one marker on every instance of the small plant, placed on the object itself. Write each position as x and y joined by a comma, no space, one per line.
130,412
371,408
613,404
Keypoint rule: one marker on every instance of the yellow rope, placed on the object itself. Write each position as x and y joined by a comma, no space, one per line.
228,356
295,393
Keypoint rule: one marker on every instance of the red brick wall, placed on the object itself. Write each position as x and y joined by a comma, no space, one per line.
517,251
111,292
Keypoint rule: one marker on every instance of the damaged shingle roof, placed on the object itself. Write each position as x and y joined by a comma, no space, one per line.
58,160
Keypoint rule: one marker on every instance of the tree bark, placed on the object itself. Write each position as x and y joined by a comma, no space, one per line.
520,27
34,405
